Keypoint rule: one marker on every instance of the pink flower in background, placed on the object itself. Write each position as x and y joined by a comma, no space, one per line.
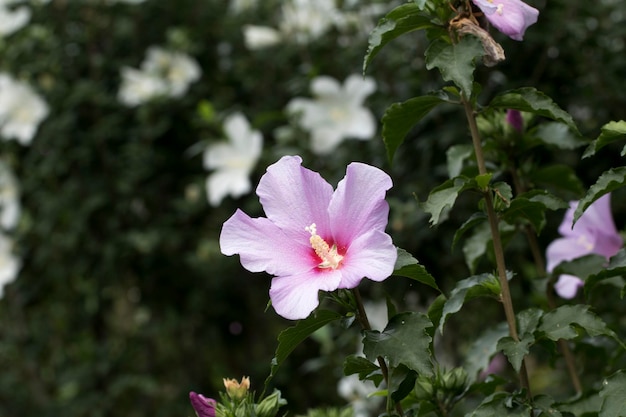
514,118
593,233
511,17
314,238
204,407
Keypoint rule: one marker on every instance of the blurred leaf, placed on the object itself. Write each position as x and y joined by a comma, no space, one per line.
561,323
515,351
609,181
501,404
559,135
455,61
409,267
399,118
403,19
456,155
530,100
484,285
483,348
610,133
561,177
435,311
406,340
290,338
444,196
613,394
546,405
474,220
616,268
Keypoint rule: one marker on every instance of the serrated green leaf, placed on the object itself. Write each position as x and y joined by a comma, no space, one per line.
363,367
399,118
456,155
561,323
456,62
515,351
528,320
559,135
616,268
290,338
613,394
403,19
531,100
609,181
484,285
406,340
443,197
483,180
610,133
483,348
409,267
501,404
531,206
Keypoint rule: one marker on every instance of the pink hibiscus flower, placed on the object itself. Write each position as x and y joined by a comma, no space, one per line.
203,406
511,17
314,238
593,233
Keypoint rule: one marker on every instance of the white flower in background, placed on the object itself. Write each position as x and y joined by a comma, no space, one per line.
162,73
232,162
139,87
9,198
21,110
178,69
238,6
357,393
302,21
9,263
12,19
336,112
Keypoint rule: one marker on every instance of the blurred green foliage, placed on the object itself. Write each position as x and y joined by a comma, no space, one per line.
124,303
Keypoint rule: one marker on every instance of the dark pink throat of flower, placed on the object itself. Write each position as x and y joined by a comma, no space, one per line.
328,255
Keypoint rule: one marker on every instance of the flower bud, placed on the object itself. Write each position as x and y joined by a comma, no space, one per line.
514,118
204,407
270,405
237,390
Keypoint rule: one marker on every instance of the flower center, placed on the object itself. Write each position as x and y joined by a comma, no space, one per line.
328,255
585,243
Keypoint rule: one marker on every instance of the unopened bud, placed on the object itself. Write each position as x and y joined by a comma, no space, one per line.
237,390
204,407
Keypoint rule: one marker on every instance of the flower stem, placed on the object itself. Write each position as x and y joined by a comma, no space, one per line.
365,325
498,249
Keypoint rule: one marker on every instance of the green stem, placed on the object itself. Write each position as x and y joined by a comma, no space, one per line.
505,295
365,324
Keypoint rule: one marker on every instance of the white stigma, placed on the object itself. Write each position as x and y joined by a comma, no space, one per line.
499,9
328,255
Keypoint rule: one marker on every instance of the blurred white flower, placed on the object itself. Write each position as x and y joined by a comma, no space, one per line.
139,87
233,161
238,6
178,69
337,112
12,19
357,393
9,263
259,37
162,73
9,198
21,110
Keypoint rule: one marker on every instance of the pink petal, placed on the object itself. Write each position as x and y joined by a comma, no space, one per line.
294,197
565,249
567,286
262,246
295,297
358,205
371,255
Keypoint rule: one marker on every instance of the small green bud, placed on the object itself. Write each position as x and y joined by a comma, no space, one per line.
270,405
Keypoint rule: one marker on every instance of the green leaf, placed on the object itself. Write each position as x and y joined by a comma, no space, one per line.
559,135
406,340
613,394
399,118
474,220
532,206
561,323
409,267
515,351
290,338
403,19
609,181
616,268
530,100
484,285
435,311
366,369
610,133
456,155
482,349
456,62
443,197
476,245
501,404
559,177
546,405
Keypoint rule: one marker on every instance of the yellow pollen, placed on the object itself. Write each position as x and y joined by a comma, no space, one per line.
329,256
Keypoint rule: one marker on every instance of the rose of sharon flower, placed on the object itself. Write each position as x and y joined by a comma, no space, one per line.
204,407
337,112
234,161
314,238
511,17
12,19
9,263
21,110
593,233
